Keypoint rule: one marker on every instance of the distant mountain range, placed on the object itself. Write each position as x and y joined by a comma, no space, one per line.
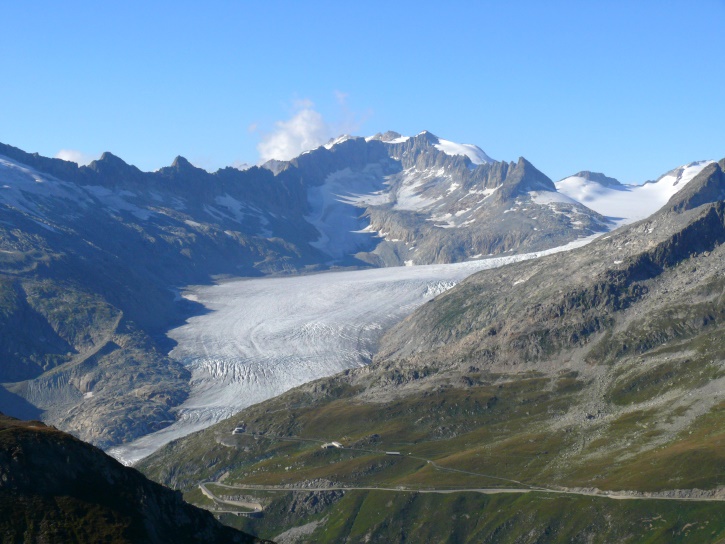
350,202
92,257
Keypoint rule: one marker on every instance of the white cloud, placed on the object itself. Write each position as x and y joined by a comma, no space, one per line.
73,155
306,129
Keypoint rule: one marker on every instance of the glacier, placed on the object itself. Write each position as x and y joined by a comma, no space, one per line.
262,337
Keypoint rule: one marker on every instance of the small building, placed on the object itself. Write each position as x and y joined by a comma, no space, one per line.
239,430
330,445
392,453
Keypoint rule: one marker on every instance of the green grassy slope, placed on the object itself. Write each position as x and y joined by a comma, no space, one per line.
378,516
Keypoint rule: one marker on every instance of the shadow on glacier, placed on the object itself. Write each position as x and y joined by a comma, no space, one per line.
16,406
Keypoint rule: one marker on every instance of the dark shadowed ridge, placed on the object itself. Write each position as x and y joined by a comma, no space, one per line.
55,488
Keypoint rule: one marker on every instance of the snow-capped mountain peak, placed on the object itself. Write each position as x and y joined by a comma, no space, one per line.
628,203
679,177
334,141
474,153
389,137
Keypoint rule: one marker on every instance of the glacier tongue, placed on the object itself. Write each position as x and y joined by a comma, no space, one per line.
262,337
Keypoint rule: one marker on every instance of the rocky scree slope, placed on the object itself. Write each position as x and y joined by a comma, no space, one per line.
599,369
55,488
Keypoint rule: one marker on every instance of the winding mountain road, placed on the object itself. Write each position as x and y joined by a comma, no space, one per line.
524,488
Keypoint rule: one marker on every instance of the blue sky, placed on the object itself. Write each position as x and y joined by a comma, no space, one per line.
631,89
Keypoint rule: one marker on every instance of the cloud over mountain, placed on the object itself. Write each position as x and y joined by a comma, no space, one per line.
73,155
305,130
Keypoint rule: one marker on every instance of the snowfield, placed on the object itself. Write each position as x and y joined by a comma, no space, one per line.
262,337
629,203
473,152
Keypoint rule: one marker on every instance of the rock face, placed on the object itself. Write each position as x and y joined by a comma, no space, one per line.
600,370
55,488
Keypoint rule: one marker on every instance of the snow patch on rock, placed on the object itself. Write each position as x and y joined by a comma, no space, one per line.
473,152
